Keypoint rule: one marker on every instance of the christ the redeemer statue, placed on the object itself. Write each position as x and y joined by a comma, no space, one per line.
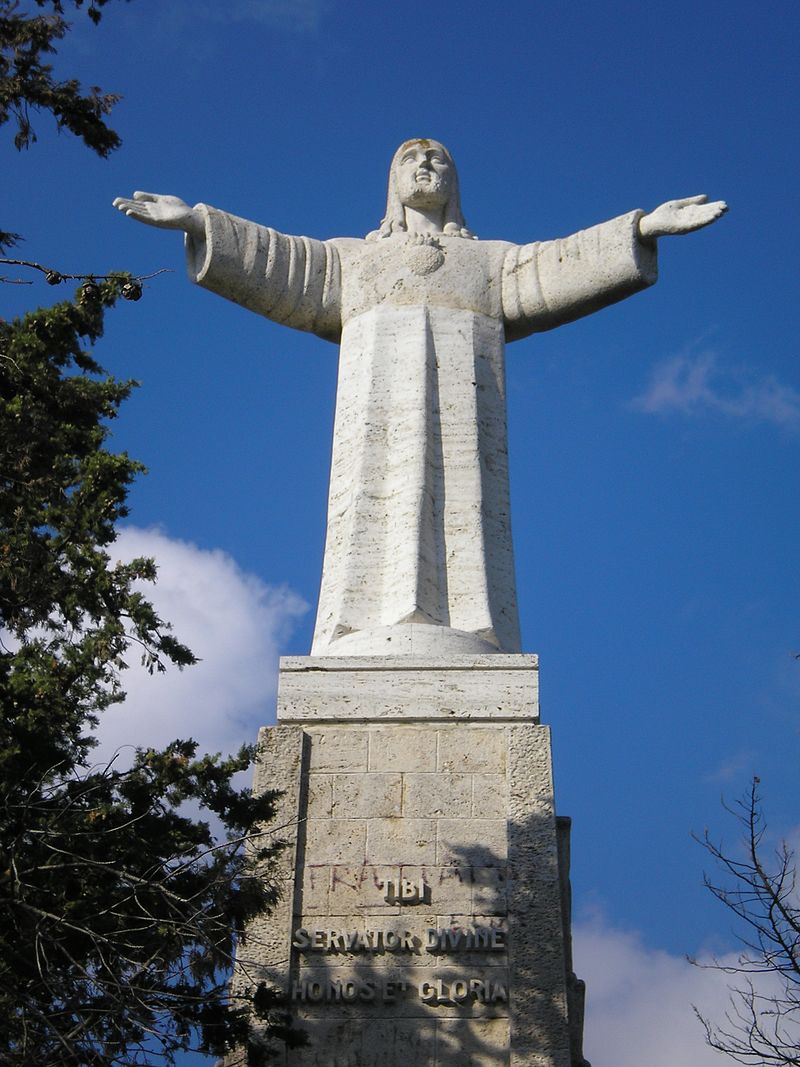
418,556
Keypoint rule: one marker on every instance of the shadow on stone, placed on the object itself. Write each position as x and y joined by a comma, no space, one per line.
425,918
486,981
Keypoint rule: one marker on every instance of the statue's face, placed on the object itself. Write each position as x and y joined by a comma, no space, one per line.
424,175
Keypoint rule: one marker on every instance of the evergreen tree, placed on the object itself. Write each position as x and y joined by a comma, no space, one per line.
27,82
119,911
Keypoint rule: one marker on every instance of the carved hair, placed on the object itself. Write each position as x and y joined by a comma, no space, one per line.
394,221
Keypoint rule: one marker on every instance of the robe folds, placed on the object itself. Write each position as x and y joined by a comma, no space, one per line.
419,531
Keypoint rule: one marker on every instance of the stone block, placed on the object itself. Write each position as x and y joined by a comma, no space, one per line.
532,1056
472,842
496,687
330,1041
537,953
472,1042
473,748
490,890
437,795
350,1043
360,888
315,892
489,796
335,841
279,765
260,949
367,795
402,748
319,802
337,750
401,841
399,1043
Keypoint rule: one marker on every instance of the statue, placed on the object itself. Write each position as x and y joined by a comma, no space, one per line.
418,555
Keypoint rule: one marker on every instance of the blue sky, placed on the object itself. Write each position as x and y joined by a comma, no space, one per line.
654,446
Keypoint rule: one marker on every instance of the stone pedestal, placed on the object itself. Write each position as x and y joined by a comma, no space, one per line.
425,913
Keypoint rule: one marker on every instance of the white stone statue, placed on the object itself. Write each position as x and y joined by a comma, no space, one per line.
418,556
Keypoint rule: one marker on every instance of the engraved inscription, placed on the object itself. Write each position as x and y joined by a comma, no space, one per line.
405,891
462,991
333,991
376,939
436,991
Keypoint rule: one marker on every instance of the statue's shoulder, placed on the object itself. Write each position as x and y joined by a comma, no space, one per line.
489,253
495,247
349,244
347,249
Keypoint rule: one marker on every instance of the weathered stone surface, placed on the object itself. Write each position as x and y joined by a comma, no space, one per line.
385,1043
473,1042
367,795
437,795
481,749
359,888
537,953
473,842
336,840
405,688
489,796
338,750
279,766
402,748
450,886
401,841
413,837
315,891
320,796
490,890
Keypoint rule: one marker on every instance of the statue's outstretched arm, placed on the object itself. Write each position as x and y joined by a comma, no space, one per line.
166,212
680,216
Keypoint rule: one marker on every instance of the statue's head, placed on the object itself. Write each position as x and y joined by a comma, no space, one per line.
422,175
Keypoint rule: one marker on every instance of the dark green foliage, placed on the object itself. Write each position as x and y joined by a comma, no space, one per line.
118,911
27,82
119,908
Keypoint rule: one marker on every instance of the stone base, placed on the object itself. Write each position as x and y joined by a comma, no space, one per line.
340,689
424,920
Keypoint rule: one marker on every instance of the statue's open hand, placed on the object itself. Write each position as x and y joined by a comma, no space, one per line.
680,216
167,212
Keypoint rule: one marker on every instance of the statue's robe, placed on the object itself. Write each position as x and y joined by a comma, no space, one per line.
419,533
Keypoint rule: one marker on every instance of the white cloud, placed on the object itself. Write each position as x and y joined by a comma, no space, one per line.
639,1001
694,384
232,621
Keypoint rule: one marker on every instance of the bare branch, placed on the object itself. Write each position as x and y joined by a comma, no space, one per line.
762,1025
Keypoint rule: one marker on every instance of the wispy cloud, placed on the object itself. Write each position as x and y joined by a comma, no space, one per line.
694,384
232,621
733,768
